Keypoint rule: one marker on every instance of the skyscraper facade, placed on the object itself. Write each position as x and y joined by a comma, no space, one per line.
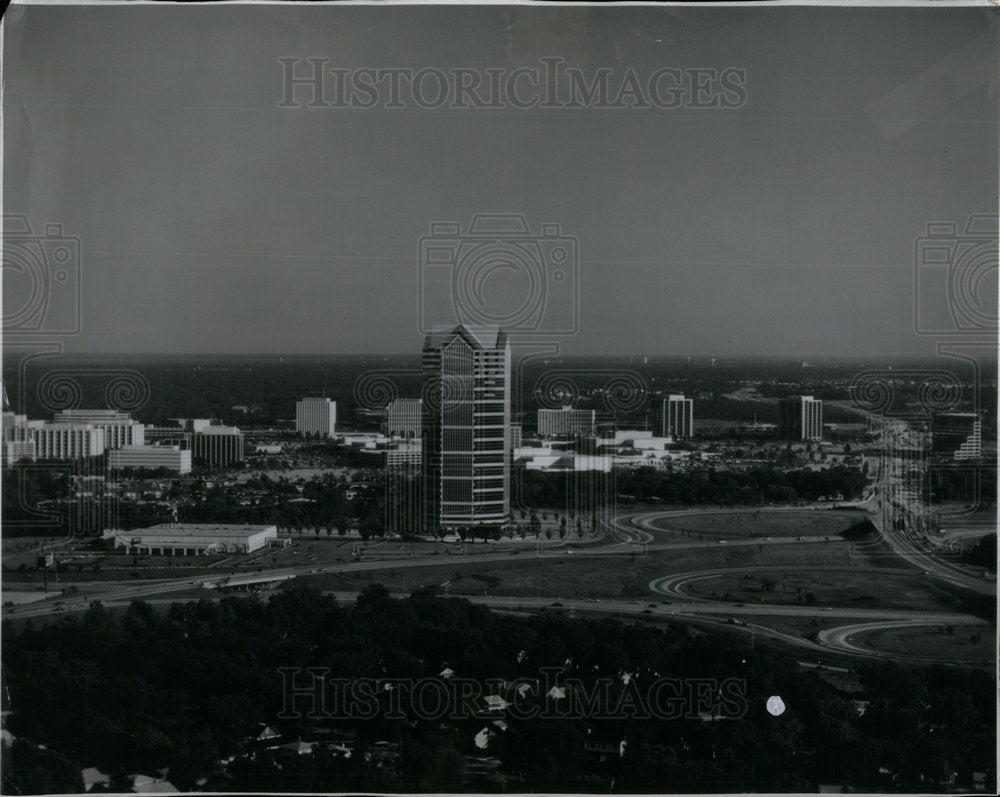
404,418
674,417
801,418
466,419
957,434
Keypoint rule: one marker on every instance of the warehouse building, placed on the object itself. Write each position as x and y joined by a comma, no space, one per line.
192,539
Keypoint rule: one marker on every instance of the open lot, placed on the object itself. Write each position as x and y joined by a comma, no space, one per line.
963,644
849,587
760,523
614,576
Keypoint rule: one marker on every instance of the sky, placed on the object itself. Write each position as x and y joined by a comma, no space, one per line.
211,219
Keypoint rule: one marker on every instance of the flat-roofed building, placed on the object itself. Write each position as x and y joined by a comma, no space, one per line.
172,458
192,539
316,416
119,428
67,441
566,422
403,417
217,446
801,418
18,443
674,417
515,436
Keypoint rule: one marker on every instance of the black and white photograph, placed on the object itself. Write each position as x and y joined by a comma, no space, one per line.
499,397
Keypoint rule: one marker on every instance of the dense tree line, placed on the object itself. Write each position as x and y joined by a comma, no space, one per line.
701,485
141,689
983,553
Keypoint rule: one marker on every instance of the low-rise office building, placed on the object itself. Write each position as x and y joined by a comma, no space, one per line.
217,446
172,458
192,539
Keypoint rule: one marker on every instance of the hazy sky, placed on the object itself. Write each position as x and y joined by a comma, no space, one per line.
213,220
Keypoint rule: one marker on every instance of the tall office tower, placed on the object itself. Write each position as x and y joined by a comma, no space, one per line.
119,428
403,418
217,446
957,434
316,416
801,418
674,417
466,419
566,422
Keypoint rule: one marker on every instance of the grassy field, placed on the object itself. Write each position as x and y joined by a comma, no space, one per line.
623,575
846,588
725,525
963,643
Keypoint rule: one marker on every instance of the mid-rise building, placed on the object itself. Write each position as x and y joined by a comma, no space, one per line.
18,443
801,418
67,441
316,417
957,434
217,446
674,417
566,422
515,436
119,428
172,458
466,419
403,417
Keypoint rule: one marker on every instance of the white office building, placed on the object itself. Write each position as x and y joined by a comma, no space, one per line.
67,441
173,458
119,428
316,416
566,422
801,418
674,417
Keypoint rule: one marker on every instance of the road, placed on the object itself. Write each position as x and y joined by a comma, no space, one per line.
629,535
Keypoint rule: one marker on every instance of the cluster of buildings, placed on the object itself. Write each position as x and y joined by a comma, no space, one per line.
71,434
81,434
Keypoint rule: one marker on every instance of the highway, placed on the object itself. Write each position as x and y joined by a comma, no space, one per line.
629,534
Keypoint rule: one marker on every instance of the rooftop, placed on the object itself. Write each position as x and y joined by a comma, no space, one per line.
200,529
478,337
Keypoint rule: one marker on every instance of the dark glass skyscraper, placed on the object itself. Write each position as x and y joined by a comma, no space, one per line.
466,427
